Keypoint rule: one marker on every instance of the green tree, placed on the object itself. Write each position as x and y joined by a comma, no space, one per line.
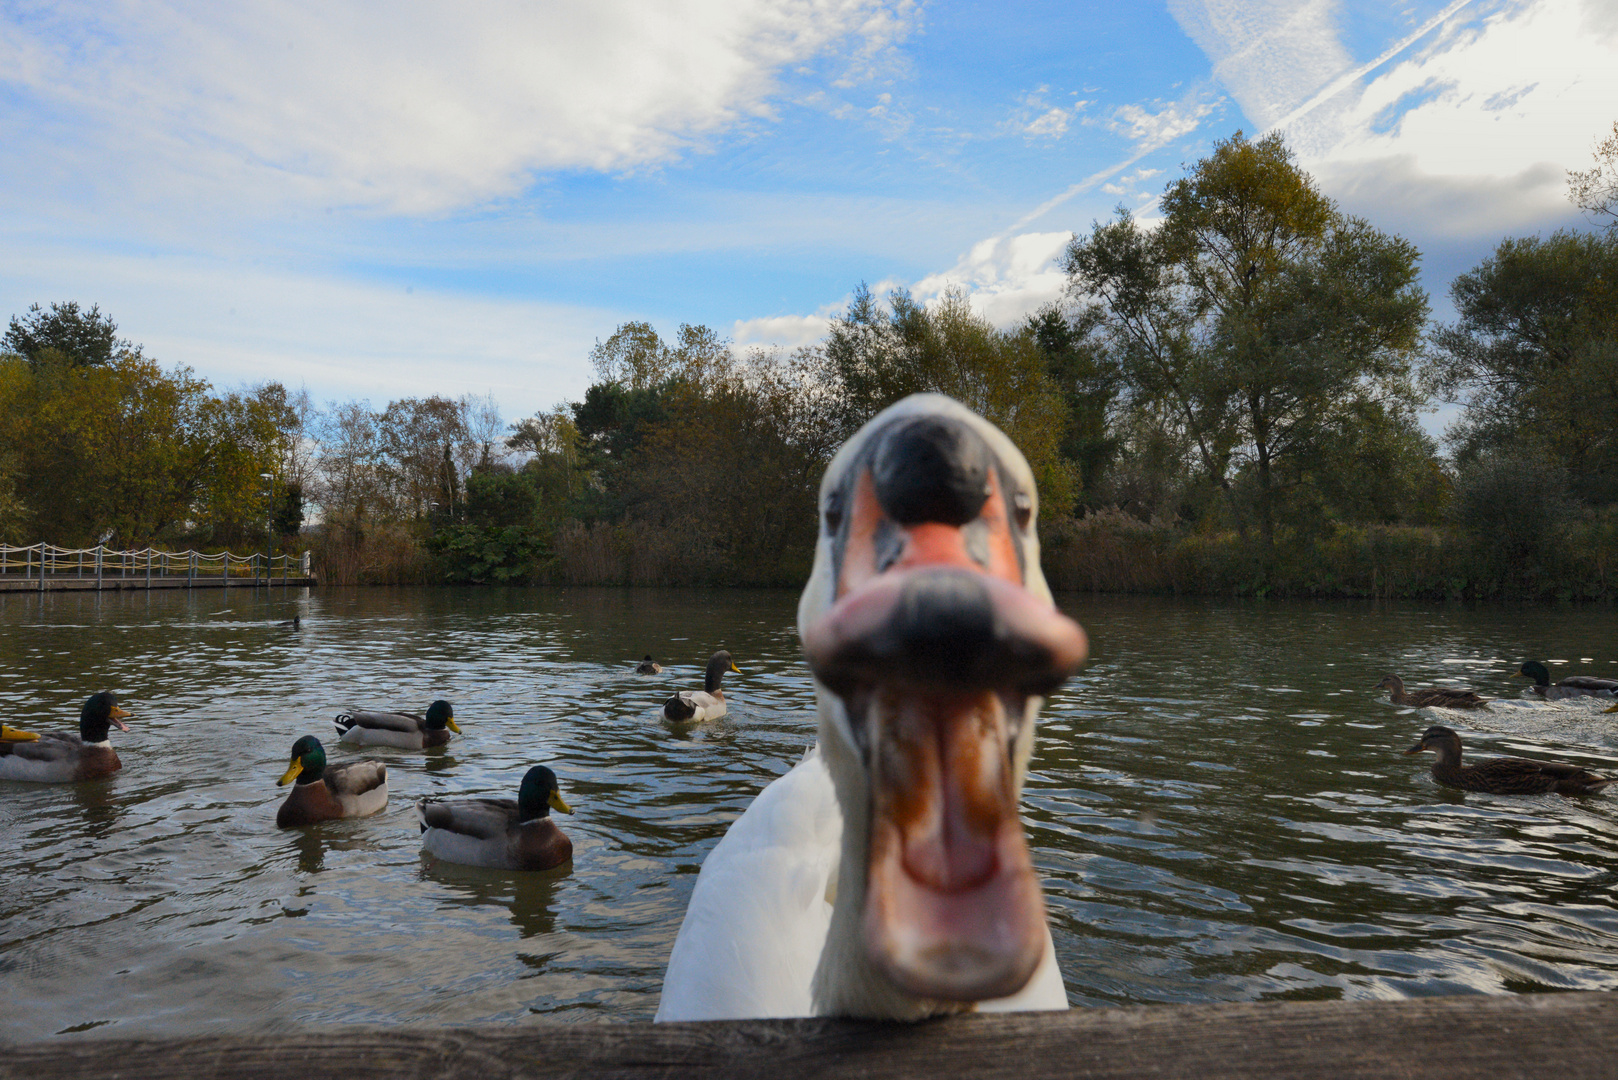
1255,317
877,354
1081,369
74,336
1534,357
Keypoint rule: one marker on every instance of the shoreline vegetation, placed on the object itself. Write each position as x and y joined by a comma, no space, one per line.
1225,402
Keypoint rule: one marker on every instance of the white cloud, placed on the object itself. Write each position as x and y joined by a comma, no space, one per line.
1271,54
1149,130
1051,124
414,108
1004,277
785,331
1475,134
238,325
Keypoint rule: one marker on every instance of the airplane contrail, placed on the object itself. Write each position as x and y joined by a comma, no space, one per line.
1347,79
1331,90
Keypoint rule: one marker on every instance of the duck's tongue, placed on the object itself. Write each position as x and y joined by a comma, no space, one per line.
937,666
952,908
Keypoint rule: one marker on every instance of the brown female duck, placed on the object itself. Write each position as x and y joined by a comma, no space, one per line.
1436,698
1504,776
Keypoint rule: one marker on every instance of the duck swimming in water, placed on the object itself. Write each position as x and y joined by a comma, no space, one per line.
693,706
1439,698
407,731
1571,687
60,757
1503,776
323,792
932,639
508,834
648,666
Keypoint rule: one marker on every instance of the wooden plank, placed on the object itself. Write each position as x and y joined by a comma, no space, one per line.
1498,1038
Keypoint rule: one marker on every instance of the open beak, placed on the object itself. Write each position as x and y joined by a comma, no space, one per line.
291,773
11,734
555,799
452,725
118,717
940,656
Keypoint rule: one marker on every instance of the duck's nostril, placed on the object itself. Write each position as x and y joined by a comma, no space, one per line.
932,469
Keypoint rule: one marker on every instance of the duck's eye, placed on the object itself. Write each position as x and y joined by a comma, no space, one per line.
1022,508
834,513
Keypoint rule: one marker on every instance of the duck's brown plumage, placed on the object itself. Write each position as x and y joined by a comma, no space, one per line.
1504,776
325,792
1435,698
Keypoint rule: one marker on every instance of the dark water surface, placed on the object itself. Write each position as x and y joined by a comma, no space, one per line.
1218,805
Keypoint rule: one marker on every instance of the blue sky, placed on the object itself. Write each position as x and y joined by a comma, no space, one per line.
449,200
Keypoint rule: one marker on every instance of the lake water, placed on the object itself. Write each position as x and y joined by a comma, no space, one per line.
1218,804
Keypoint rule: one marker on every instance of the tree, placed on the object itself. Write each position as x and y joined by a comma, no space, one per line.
1534,357
879,354
1254,317
1080,367
1595,190
71,336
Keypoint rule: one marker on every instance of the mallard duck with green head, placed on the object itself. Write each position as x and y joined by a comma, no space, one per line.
60,757
1504,776
406,731
691,706
1435,698
508,834
1571,687
322,792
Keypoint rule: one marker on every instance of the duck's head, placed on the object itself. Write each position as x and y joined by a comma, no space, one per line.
1440,740
308,762
932,638
441,714
539,795
99,714
1535,670
719,663
1390,682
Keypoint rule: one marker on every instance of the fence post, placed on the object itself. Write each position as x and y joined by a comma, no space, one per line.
191,571
42,567
305,567
101,549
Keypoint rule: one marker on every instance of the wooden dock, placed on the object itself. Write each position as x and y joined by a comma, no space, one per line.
46,568
63,583
1498,1038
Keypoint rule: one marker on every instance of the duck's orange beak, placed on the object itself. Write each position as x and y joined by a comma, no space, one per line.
118,716
939,654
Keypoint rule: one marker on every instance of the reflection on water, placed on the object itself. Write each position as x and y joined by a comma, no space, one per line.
1219,805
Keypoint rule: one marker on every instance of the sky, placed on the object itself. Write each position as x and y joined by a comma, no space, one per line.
463,198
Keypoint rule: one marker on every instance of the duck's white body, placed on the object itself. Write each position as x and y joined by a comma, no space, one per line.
703,706
762,907
887,875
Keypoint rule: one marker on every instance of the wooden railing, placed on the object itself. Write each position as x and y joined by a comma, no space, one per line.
48,563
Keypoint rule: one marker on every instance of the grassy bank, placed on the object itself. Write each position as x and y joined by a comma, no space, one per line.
1104,553
1114,553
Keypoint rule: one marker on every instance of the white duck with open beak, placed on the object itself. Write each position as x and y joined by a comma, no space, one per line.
887,875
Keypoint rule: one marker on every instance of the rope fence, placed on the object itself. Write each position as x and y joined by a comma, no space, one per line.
48,563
